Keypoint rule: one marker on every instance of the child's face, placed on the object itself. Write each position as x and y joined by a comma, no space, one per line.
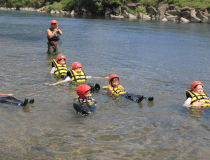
78,70
115,82
62,62
87,94
199,89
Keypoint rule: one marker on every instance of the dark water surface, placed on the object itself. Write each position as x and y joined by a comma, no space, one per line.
152,58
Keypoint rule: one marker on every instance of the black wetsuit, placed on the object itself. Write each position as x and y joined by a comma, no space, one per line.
11,100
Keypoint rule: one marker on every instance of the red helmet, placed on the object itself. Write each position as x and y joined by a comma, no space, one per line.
194,84
76,65
113,76
82,89
53,21
61,56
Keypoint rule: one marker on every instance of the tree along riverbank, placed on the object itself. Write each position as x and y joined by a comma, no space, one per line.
163,12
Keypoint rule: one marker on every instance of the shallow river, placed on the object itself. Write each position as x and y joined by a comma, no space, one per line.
152,58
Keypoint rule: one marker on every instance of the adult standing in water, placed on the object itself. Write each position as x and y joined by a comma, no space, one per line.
53,37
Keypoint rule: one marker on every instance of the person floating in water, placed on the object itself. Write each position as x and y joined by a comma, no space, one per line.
76,74
59,68
196,96
13,101
84,103
53,37
114,88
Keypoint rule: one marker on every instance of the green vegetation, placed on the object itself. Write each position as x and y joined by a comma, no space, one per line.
97,6
138,9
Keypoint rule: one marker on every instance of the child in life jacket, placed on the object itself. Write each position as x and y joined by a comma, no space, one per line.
114,88
84,103
196,96
13,101
74,75
59,69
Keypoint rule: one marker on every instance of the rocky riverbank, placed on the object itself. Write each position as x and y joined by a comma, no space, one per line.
163,12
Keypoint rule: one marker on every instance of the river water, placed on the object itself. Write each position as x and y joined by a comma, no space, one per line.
152,58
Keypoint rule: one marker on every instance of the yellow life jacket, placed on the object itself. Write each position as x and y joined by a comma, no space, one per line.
196,96
85,100
75,77
59,69
116,90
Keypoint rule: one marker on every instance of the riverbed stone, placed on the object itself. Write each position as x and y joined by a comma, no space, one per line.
205,19
152,10
159,15
195,19
143,16
162,8
164,19
173,12
52,11
131,6
57,12
184,9
184,20
186,14
172,7
107,11
131,16
117,10
172,18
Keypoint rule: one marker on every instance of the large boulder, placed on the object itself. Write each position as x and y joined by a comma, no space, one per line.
199,14
131,6
152,10
131,16
117,10
159,15
57,12
173,12
107,11
205,19
162,8
123,8
195,19
125,14
172,7
143,16
128,15
164,19
62,12
52,11
184,20
185,14
172,18
184,9
72,12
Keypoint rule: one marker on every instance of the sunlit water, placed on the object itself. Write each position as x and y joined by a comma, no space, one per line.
152,58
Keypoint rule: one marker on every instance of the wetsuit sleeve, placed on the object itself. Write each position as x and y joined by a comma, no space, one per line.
52,70
188,95
53,64
69,74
